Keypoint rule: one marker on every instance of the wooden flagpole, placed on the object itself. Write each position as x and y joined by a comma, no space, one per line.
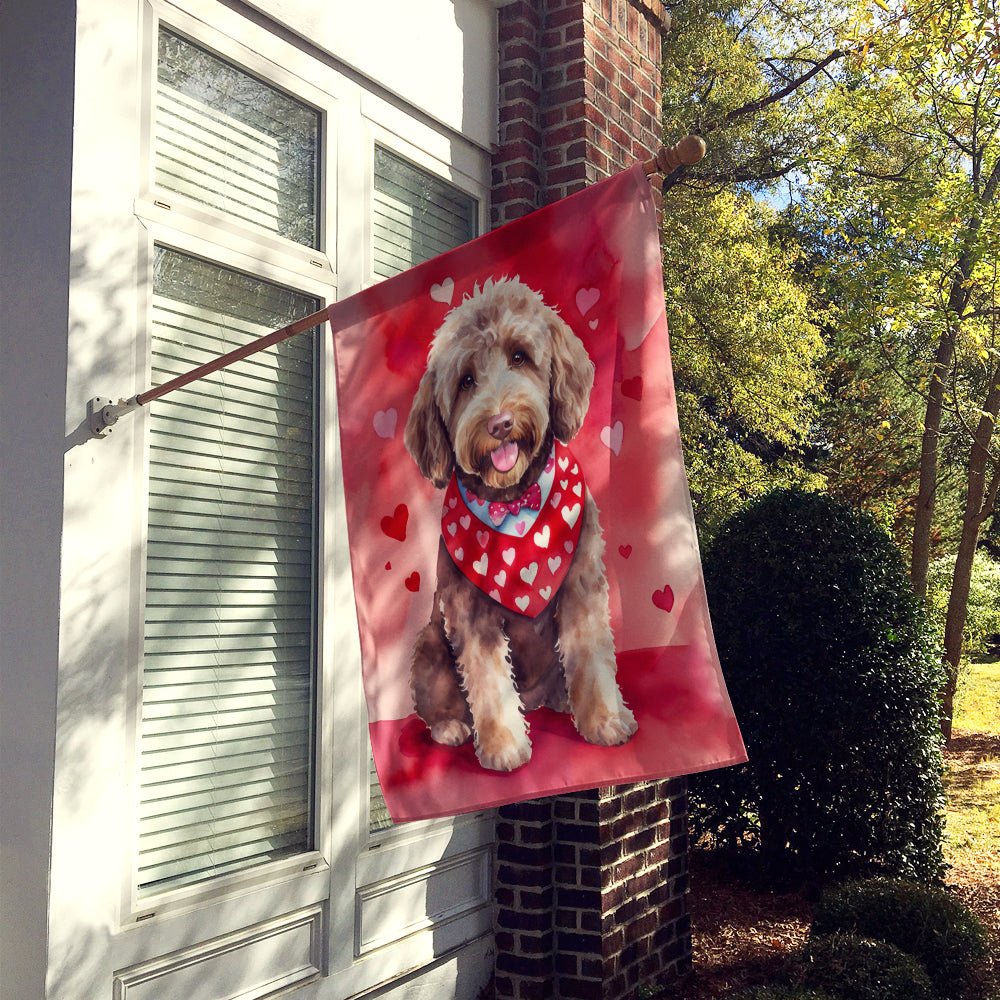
102,413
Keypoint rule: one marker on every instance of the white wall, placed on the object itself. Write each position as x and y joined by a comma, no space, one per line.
415,50
36,108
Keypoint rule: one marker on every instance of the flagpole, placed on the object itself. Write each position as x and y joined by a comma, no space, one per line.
103,413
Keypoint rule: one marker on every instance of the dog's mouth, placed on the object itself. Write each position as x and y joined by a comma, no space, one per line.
504,456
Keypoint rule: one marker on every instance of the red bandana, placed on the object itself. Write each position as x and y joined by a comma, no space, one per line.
522,561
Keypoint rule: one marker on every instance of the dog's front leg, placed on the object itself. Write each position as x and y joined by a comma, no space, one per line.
587,645
474,626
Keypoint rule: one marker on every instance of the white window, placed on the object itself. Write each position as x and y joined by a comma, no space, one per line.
275,184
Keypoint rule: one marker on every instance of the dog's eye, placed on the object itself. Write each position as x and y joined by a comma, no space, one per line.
517,359
467,382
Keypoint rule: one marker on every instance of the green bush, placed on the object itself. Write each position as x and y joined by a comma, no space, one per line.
982,618
782,993
833,672
925,922
856,968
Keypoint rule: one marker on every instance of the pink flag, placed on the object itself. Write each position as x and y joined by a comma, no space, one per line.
529,590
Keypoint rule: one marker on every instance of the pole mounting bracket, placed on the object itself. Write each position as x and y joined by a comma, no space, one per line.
103,413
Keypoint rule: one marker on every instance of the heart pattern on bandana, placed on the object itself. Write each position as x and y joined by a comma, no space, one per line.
522,571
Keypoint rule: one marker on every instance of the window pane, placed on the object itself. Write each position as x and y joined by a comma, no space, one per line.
228,140
416,217
228,657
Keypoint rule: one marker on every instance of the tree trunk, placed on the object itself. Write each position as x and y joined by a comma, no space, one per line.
920,553
980,499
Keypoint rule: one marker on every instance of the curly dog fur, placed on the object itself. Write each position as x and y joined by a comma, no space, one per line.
504,368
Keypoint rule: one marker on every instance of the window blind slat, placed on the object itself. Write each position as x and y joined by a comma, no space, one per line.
228,682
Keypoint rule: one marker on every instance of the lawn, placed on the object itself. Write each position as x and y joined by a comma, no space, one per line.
742,935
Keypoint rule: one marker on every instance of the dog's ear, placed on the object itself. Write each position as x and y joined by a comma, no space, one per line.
426,437
571,380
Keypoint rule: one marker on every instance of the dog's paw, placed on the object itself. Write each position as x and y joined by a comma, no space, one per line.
504,752
451,733
609,729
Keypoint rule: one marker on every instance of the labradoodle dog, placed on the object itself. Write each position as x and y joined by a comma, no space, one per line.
520,616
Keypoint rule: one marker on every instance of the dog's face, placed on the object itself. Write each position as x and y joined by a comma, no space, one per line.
502,369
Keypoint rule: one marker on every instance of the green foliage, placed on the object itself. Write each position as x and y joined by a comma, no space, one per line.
780,992
856,968
926,922
983,613
746,355
833,673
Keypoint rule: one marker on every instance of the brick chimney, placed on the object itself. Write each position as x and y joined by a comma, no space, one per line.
591,888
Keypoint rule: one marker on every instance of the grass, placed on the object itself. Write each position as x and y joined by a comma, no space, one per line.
973,783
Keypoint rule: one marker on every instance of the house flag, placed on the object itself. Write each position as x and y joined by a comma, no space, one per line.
528,585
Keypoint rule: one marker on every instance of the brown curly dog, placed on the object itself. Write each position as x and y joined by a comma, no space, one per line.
520,616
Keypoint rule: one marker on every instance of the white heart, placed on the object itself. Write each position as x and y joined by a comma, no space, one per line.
592,324
459,554
522,603
575,469
570,514
501,577
578,490
563,462
554,563
586,299
508,556
452,503
465,520
528,573
495,594
568,546
444,291
612,436
556,497
564,483
384,423
542,538
545,593
480,565
452,528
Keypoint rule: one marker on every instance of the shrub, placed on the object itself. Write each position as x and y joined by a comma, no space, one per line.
856,968
833,673
925,922
782,993
982,620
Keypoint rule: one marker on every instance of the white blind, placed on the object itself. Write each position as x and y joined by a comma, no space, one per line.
228,140
416,216
228,656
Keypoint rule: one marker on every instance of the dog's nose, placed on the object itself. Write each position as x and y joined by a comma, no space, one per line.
500,425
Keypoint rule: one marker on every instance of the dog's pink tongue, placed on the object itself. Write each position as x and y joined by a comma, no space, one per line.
504,457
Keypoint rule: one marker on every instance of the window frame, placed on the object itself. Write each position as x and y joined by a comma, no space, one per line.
348,865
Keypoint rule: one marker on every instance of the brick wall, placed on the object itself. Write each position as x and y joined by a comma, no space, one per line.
591,888
579,96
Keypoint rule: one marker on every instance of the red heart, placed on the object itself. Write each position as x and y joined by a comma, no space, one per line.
395,526
664,599
413,582
625,550
632,387
388,565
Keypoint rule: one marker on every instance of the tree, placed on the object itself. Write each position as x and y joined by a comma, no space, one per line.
914,187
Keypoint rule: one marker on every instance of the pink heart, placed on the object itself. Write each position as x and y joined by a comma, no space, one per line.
384,423
586,298
443,292
664,599
612,437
